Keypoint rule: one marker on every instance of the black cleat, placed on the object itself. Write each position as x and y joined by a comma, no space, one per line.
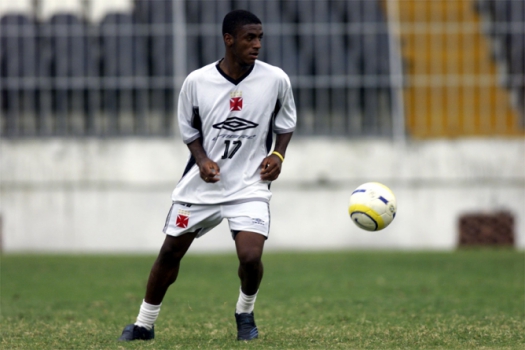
246,328
134,332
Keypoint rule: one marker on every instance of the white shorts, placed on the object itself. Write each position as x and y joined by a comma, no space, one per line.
252,216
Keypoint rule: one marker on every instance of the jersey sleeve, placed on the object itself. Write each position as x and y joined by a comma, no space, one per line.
186,112
286,117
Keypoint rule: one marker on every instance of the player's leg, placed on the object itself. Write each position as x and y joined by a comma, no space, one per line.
249,247
183,224
165,269
163,273
250,225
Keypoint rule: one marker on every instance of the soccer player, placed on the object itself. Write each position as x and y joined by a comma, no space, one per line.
228,113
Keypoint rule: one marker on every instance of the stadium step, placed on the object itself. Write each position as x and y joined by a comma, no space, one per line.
453,85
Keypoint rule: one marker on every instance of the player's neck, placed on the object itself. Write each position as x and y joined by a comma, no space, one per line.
233,69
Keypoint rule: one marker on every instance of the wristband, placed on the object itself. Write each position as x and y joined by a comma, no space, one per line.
279,155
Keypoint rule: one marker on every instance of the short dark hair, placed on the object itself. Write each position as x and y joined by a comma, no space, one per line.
236,19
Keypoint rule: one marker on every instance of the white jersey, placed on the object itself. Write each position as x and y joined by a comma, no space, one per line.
236,121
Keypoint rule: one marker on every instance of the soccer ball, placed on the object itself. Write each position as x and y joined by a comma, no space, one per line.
372,206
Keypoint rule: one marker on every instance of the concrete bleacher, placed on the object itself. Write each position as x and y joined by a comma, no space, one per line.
69,62
452,88
98,9
70,59
157,17
123,61
292,43
107,67
504,24
18,65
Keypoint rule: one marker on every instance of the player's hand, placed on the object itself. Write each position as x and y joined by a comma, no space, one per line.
271,168
209,171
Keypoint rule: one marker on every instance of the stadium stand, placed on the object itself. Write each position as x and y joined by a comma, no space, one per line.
157,17
504,23
100,8
124,67
373,62
71,61
452,88
67,61
108,67
18,62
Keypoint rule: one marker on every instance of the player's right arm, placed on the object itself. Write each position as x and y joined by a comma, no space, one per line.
190,130
209,170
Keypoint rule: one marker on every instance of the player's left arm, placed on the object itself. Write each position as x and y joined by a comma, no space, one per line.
284,126
272,164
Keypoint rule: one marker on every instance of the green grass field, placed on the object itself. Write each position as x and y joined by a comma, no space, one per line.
473,299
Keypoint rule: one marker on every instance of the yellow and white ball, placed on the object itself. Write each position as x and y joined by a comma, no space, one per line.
372,206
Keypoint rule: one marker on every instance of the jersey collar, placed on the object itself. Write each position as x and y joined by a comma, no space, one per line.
227,77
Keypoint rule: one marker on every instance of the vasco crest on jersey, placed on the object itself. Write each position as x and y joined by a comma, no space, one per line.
235,101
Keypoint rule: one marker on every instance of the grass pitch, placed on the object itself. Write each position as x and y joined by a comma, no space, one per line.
472,299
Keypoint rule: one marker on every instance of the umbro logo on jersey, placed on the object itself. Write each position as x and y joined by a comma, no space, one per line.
235,124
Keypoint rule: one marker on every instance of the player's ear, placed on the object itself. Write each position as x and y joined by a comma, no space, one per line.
228,39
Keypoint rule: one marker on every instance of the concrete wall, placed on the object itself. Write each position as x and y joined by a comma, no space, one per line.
94,195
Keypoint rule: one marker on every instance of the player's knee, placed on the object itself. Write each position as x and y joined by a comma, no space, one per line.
171,254
174,248
250,259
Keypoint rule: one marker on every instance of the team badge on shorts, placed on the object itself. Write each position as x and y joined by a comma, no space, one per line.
182,218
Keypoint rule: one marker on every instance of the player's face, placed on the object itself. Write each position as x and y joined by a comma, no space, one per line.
247,43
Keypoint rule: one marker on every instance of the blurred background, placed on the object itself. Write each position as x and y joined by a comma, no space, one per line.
425,96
